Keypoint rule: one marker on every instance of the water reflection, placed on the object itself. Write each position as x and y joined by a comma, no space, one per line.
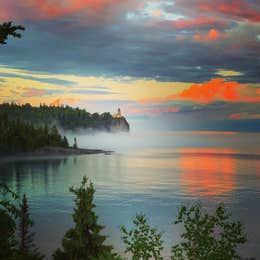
30,175
210,174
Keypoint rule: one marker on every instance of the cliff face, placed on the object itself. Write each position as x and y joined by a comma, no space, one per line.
119,125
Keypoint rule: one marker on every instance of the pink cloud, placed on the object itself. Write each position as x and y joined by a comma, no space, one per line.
198,22
44,9
32,92
234,9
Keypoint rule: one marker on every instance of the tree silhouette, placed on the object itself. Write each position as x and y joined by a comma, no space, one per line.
7,29
8,215
84,240
27,248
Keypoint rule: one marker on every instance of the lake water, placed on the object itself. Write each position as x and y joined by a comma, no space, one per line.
153,172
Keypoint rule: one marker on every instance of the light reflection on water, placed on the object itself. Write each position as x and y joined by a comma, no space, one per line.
152,180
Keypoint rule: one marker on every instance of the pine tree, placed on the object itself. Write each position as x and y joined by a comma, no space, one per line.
65,142
27,248
8,216
7,234
7,29
84,240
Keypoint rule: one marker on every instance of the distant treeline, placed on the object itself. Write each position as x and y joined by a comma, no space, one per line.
17,136
64,116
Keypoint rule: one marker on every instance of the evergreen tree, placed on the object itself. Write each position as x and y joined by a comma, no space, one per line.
84,240
75,145
8,215
27,249
65,142
7,234
18,136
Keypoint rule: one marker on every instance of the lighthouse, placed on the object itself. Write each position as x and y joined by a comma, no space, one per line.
118,114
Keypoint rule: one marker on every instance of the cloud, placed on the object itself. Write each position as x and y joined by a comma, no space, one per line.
201,22
211,36
91,92
239,116
218,89
47,10
63,101
234,9
103,41
32,92
152,111
228,73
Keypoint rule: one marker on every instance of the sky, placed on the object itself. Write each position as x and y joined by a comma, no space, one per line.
194,63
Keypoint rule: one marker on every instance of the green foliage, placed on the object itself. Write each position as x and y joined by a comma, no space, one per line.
206,236
66,117
7,29
7,234
84,240
27,248
17,136
8,214
143,241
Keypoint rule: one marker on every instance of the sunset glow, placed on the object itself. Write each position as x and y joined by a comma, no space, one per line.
185,59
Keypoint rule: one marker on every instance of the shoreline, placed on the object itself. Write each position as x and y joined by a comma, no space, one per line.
54,152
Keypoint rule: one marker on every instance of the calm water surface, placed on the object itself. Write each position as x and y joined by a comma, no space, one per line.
153,173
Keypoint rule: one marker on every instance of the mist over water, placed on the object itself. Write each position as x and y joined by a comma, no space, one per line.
143,135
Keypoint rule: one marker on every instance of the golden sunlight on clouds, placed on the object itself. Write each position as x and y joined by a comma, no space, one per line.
228,73
17,82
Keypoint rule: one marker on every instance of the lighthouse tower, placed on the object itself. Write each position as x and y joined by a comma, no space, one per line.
118,114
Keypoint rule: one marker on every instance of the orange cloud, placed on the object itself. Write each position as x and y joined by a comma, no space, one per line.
61,101
156,13
218,89
212,35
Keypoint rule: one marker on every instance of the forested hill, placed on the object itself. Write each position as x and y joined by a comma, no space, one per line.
21,137
65,117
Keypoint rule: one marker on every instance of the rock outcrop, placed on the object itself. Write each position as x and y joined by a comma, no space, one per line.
119,125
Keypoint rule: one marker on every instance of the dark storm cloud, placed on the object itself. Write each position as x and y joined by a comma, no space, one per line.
143,48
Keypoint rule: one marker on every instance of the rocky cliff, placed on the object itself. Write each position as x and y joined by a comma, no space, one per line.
119,125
